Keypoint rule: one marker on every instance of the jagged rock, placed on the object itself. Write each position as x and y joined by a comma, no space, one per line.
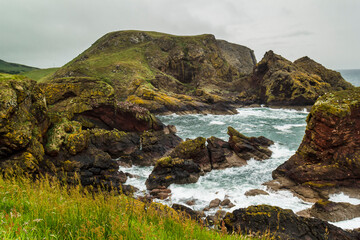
221,155
255,192
328,158
277,81
23,124
332,211
283,224
249,147
170,170
227,203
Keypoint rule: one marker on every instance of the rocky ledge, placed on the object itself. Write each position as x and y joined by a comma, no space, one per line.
192,158
328,159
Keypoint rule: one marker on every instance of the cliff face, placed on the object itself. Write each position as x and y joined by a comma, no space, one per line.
277,81
329,155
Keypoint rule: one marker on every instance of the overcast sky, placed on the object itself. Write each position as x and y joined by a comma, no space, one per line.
49,33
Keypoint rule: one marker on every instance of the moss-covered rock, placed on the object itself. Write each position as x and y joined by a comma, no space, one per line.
170,170
329,155
23,123
277,81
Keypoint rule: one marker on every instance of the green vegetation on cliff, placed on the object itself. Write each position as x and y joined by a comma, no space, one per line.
46,209
40,74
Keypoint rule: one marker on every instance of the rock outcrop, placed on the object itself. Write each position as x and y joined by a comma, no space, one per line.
279,82
282,224
192,158
75,130
328,159
23,124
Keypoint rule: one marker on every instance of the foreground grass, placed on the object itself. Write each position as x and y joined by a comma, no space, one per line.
40,210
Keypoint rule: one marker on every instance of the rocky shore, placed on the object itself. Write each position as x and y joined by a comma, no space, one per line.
91,116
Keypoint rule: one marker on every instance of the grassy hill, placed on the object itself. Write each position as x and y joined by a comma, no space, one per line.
40,74
14,68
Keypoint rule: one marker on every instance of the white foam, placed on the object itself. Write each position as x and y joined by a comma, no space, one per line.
344,198
348,224
216,123
286,127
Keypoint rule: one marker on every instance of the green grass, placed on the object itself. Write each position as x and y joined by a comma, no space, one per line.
39,74
13,68
44,210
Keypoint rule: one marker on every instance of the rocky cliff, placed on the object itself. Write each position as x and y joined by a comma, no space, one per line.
277,81
328,158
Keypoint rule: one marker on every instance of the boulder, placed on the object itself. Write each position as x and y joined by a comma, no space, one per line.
160,192
215,203
170,170
282,224
327,160
255,192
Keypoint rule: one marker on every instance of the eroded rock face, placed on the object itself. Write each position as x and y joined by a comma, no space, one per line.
329,155
283,223
23,123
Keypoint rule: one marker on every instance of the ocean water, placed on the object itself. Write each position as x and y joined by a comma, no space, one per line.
285,127
351,75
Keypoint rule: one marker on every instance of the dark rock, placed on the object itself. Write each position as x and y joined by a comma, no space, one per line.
283,224
191,202
249,147
219,216
333,211
255,192
221,155
170,170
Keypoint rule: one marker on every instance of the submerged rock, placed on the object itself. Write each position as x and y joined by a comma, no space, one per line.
282,224
255,192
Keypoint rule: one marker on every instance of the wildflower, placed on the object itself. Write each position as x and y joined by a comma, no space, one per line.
37,220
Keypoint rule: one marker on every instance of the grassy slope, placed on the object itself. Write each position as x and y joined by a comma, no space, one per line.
41,210
14,68
40,74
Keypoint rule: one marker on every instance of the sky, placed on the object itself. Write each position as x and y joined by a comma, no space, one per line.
50,33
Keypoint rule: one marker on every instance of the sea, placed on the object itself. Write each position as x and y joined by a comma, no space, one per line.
285,127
